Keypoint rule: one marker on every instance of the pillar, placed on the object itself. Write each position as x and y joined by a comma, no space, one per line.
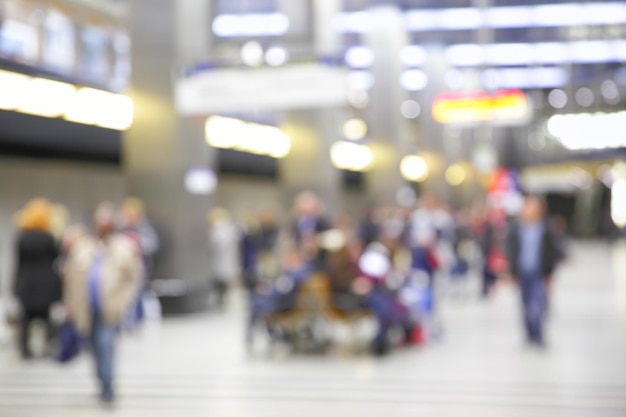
160,146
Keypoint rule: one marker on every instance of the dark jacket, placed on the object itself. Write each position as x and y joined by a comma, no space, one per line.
37,283
549,252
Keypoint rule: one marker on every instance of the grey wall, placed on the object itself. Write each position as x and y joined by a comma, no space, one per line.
79,186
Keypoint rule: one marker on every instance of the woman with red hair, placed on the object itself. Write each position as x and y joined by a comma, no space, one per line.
37,283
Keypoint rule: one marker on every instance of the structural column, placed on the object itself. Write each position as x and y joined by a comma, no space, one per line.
386,39
160,147
313,131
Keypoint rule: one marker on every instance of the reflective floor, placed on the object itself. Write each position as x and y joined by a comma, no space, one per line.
196,366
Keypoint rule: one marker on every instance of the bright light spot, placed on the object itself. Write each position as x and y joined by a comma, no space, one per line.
375,264
557,99
224,132
465,55
455,175
46,98
354,129
455,79
229,133
461,18
276,56
509,54
358,98
359,57
12,86
413,80
201,181
88,105
100,108
250,25
413,56
610,92
618,202
252,54
410,109
584,97
360,80
589,131
351,156
414,168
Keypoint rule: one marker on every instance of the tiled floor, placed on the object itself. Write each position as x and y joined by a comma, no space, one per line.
196,366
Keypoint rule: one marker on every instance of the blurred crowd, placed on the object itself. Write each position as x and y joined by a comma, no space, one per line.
85,283
391,263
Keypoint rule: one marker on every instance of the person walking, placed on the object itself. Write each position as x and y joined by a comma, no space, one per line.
37,284
533,258
102,275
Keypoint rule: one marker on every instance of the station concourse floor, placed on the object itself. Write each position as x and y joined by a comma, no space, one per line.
197,365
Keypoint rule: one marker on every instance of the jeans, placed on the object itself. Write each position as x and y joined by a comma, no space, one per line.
102,344
534,305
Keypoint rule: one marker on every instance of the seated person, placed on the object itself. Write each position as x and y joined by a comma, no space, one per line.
377,273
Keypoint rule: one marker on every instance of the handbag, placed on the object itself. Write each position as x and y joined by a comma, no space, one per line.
70,342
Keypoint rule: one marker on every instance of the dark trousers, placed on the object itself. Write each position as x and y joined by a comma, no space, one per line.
220,287
489,279
102,337
533,291
28,316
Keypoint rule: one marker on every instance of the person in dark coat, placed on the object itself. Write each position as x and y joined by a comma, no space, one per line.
533,257
310,223
37,283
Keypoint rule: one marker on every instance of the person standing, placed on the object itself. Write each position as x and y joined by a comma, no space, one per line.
224,251
533,258
102,274
37,284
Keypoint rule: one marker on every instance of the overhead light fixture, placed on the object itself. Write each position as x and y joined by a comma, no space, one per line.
360,80
557,98
509,54
584,97
12,86
359,57
525,78
48,98
413,80
543,53
587,131
351,156
252,54
230,133
465,55
465,18
618,202
455,175
250,25
276,56
414,168
410,109
354,129
200,181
